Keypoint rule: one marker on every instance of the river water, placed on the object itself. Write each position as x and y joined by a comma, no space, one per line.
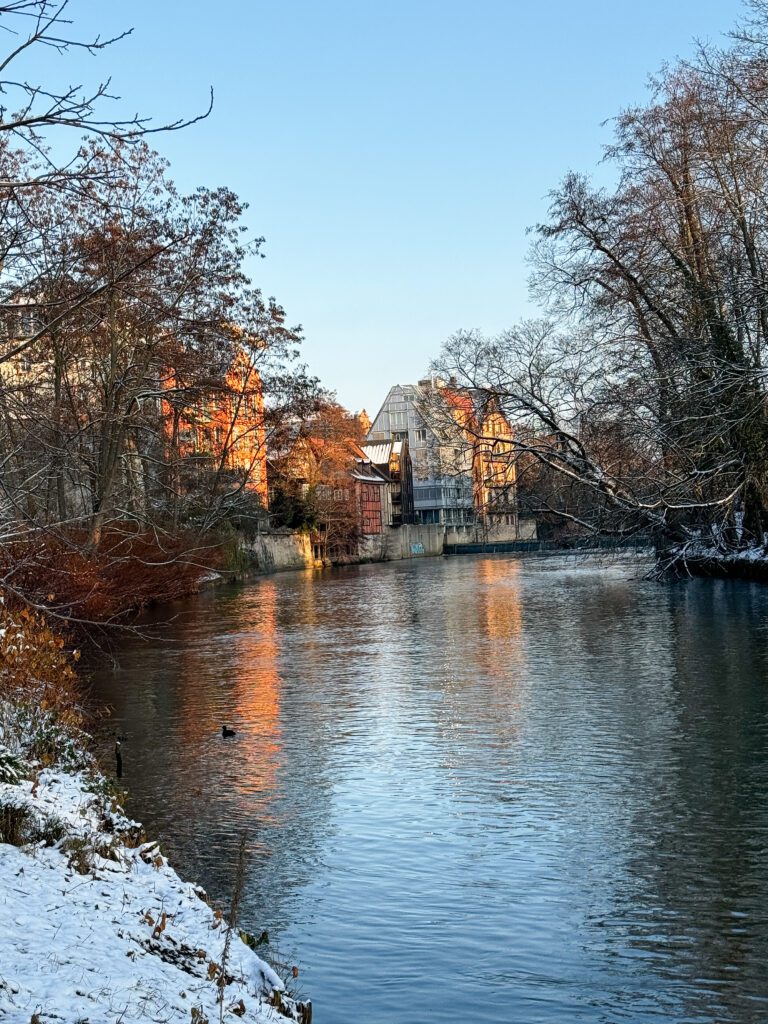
479,789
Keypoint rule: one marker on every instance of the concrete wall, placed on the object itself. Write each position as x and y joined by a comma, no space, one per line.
527,530
416,541
524,529
272,552
376,547
427,540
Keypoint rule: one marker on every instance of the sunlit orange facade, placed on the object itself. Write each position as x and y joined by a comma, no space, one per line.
494,465
225,428
489,440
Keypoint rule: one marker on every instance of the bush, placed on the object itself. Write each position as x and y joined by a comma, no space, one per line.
11,766
13,824
40,713
128,571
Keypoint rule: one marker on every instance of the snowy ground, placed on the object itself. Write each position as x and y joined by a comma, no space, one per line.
95,929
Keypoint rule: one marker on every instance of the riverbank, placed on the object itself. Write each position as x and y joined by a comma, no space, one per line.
438,805
98,926
714,563
278,550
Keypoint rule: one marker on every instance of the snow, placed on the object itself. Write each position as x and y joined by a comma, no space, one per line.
209,577
756,554
127,940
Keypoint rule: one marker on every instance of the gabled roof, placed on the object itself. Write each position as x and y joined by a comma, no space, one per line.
379,454
355,449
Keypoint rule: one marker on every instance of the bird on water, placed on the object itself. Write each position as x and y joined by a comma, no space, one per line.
226,731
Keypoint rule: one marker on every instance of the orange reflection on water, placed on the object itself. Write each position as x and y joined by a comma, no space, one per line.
500,616
256,693
480,715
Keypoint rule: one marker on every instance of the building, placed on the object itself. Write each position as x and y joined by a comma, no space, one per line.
329,486
494,467
441,464
102,422
461,448
219,429
393,461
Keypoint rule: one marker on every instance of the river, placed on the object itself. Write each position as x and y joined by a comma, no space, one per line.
482,789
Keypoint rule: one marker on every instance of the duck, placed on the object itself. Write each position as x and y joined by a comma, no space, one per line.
226,731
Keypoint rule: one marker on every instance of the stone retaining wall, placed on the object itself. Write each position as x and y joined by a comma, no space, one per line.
273,552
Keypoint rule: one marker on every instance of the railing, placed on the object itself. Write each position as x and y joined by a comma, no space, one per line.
639,543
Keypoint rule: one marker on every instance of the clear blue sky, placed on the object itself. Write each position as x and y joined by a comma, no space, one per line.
393,154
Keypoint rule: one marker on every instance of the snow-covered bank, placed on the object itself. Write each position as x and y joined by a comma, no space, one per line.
749,563
97,927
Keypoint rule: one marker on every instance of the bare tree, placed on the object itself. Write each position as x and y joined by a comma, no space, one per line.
30,110
646,388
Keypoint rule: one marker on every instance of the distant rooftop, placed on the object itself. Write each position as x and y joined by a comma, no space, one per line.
379,453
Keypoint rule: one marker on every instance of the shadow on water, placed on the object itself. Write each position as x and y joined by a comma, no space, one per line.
479,788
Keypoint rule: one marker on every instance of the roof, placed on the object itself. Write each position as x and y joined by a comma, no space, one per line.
368,479
355,449
379,453
457,399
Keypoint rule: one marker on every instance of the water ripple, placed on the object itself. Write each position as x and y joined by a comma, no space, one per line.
484,788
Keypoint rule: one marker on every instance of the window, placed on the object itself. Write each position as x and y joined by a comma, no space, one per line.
399,435
27,325
428,516
421,434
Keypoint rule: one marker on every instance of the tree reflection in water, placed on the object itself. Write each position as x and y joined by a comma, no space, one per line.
536,786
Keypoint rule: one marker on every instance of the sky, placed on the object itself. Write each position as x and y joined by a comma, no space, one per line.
393,155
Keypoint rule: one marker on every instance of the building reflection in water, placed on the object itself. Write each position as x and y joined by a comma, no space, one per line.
463,658
519,758
256,696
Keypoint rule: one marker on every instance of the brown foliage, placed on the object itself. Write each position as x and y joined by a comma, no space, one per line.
61,578
35,668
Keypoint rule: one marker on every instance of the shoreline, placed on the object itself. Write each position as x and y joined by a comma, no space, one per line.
103,928
697,560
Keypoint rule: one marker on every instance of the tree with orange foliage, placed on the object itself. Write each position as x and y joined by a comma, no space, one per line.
84,424
311,483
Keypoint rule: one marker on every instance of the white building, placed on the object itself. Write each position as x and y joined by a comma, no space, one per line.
441,457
